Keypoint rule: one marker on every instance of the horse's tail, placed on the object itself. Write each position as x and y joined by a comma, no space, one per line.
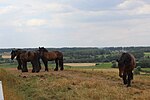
61,64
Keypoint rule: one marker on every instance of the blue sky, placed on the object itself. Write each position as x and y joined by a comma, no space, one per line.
74,23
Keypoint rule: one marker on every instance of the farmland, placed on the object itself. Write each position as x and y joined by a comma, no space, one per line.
76,82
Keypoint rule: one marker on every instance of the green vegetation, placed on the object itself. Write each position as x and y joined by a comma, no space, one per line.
146,54
93,55
90,55
8,65
146,69
52,66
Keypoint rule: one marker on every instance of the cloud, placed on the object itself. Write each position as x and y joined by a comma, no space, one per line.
144,10
131,4
59,8
7,9
132,7
36,22
74,22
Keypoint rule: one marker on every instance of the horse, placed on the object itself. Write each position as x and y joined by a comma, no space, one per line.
126,64
51,56
24,56
13,55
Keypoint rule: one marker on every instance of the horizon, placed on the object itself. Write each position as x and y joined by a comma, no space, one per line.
75,47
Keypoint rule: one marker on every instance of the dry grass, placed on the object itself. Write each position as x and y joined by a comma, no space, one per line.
80,85
80,64
9,82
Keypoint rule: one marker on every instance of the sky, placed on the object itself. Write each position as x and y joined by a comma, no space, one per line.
74,23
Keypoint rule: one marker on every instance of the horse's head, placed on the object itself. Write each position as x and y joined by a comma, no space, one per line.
121,67
16,52
13,54
42,50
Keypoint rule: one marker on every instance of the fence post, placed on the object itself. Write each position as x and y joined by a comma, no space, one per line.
1,92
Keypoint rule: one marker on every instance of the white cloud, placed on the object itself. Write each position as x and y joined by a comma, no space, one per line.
7,9
63,23
132,7
145,9
57,7
36,22
131,4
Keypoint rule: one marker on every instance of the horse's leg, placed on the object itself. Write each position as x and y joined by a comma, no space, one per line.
19,65
24,69
39,63
45,64
36,66
130,76
33,67
56,61
124,78
61,64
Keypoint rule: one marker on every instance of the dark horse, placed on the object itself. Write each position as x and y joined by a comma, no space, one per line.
126,64
23,56
17,57
50,56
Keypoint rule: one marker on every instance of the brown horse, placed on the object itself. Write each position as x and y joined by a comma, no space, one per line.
13,55
126,64
50,56
23,57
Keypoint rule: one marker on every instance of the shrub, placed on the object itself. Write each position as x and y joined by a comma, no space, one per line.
136,71
114,64
144,63
138,68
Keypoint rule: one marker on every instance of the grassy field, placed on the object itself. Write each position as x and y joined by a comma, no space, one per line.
146,54
74,83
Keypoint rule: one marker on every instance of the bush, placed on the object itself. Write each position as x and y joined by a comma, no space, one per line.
138,68
136,71
144,63
114,64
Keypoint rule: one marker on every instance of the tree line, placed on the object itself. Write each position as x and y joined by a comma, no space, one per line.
94,55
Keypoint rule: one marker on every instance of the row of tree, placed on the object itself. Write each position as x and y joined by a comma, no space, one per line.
90,55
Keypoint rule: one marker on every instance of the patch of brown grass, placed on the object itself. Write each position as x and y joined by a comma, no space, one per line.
80,64
9,82
82,85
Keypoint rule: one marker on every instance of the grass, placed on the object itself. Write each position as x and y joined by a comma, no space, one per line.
146,54
67,66
8,65
146,69
91,66
73,84
9,83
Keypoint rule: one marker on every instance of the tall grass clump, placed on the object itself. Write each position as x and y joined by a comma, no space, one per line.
9,82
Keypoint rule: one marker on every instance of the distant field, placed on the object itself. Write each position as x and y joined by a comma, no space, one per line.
80,64
67,65
146,54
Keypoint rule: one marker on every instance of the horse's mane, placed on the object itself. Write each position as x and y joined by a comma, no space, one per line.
124,55
44,49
